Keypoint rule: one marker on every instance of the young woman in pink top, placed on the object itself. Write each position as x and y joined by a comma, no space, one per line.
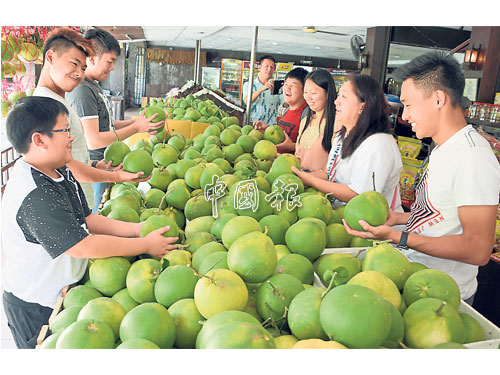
316,129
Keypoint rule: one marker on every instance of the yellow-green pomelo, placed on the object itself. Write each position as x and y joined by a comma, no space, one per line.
141,279
199,224
282,165
341,266
137,161
50,342
274,134
431,321
397,331
264,208
369,206
303,314
123,298
246,142
281,251
115,152
80,295
240,335
380,283
177,196
355,316
228,136
148,212
276,227
360,242
285,341
306,237
296,265
150,321
275,295
264,150
154,198
187,320
252,257
474,332
415,266
160,179
194,243
214,261
64,318
219,223
86,334
219,291
182,166
151,110
232,151
159,221
337,236
197,206
318,344
204,251
175,283
315,206
137,343
391,262
164,155
218,320
193,176
106,310
284,212
127,200
178,257
237,227
431,283
108,275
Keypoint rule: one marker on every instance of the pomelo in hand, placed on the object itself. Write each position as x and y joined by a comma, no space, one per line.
115,152
369,206
137,161
159,221
275,134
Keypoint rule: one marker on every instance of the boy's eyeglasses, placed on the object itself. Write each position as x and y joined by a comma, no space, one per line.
67,130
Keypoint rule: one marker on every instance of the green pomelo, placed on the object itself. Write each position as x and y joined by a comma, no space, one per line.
415,266
224,165
337,236
274,134
379,283
256,134
241,335
194,243
214,154
264,165
197,206
137,161
141,279
193,176
207,177
220,290
265,150
289,215
192,153
355,316
160,179
65,318
282,165
108,274
177,215
177,196
80,295
369,206
151,110
397,330
159,221
212,130
253,257
228,136
247,143
175,283
150,321
86,334
263,209
164,155
342,266
187,320
50,342
177,141
232,151
473,331
306,238
237,227
275,295
142,144
286,180
276,227
219,223
154,197
285,341
360,242
449,345
124,213
182,166
303,314
431,283
245,156
148,212
335,218
218,320
431,321
127,200
205,250
178,257
214,261
315,206
115,152
200,224
225,205
296,265
123,298
106,310
245,130
386,259
137,343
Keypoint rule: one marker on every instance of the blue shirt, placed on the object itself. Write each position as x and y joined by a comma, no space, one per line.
265,108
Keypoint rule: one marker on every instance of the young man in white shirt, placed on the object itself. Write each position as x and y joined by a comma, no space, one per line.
451,226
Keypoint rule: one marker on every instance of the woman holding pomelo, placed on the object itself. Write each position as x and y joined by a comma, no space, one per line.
362,147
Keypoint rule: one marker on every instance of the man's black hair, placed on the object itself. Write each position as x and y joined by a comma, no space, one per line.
33,114
435,71
267,57
103,41
297,73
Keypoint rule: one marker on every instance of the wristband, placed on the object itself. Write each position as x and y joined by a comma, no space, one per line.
94,163
402,241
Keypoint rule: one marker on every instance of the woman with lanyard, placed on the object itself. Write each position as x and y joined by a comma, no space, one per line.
316,127
362,148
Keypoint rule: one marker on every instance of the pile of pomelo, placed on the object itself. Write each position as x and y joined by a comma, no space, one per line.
249,277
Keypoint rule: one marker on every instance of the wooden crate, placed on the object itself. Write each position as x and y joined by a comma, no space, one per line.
44,331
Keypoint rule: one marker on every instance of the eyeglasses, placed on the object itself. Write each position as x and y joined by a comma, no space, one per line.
66,130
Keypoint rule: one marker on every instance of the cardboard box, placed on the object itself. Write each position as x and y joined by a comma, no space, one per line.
189,129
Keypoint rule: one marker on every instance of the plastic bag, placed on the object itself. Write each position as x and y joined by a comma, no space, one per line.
409,147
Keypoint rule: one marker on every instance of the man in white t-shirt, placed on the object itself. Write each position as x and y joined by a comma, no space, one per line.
451,226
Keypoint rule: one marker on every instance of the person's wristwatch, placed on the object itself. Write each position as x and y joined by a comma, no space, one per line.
94,163
402,241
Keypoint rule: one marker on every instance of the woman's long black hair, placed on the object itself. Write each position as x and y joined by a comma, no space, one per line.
324,79
373,119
